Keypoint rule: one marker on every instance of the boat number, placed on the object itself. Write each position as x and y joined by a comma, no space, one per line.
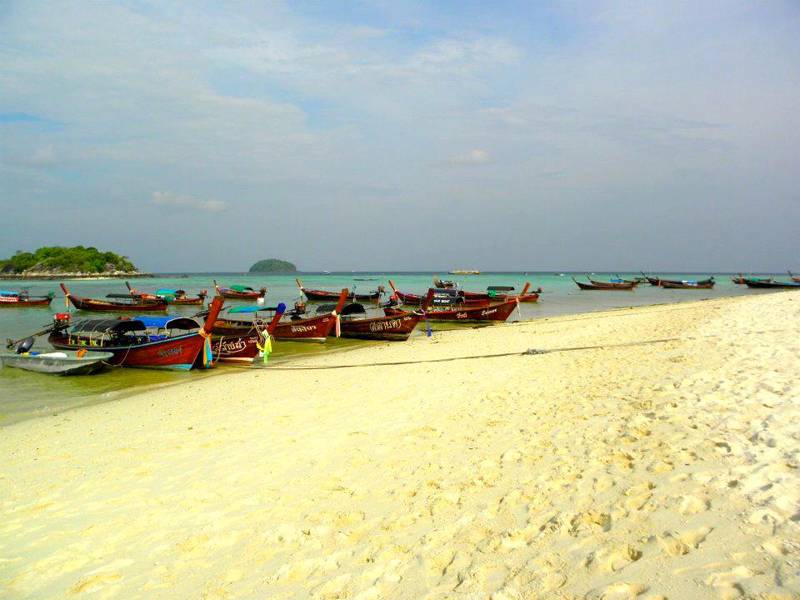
486,313
302,329
231,347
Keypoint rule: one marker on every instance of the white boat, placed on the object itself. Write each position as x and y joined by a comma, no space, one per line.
62,362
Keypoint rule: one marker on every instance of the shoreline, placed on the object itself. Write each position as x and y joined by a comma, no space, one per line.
614,468
73,276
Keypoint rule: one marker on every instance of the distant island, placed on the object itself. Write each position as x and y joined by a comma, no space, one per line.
273,265
58,262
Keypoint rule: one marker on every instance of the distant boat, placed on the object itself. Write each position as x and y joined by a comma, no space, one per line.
240,292
604,285
22,299
326,272
464,272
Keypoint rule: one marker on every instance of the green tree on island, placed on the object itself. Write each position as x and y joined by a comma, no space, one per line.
273,265
77,259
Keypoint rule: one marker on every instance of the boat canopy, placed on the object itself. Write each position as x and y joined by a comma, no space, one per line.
500,288
108,325
354,309
169,292
255,309
168,322
14,294
241,288
119,296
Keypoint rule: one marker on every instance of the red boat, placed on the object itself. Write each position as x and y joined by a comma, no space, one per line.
23,300
795,279
323,295
296,328
445,309
118,303
177,297
410,299
355,324
175,343
243,348
240,292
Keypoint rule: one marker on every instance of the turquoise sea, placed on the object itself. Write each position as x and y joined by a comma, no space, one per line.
25,395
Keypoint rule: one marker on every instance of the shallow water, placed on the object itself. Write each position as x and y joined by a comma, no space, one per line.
25,395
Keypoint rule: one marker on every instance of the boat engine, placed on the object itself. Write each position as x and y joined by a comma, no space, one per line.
25,345
61,320
299,308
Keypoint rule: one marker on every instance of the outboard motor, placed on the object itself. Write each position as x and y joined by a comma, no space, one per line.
61,320
25,345
299,308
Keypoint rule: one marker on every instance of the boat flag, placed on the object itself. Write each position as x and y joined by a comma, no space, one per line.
266,349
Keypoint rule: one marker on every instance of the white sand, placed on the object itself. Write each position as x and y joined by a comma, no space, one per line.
662,470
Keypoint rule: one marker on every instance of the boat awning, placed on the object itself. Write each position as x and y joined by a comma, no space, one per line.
9,293
255,309
241,288
169,292
168,322
120,296
500,288
106,325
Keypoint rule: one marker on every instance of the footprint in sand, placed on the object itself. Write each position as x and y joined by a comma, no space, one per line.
692,505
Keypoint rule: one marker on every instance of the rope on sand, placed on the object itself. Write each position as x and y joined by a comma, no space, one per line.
528,352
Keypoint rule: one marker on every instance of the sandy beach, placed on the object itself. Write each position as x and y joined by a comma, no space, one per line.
656,455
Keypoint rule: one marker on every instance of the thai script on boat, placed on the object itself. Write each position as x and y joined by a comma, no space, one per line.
488,312
170,352
302,328
231,347
384,325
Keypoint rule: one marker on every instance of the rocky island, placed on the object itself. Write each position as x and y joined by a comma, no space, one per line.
273,265
58,262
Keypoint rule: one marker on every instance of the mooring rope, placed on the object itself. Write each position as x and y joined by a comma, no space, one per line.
528,352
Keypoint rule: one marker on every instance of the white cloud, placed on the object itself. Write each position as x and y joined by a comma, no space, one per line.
475,157
186,202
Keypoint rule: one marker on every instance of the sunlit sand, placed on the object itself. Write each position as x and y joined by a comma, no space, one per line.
661,464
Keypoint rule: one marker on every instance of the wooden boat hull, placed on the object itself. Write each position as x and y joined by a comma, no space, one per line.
25,303
782,285
240,295
243,348
604,286
493,313
178,353
325,296
90,304
389,328
51,365
314,329
672,285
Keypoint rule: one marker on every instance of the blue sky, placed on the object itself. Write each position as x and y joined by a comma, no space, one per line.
385,135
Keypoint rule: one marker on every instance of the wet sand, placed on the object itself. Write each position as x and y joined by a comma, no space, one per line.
664,463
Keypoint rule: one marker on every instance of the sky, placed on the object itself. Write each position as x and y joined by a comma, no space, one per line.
385,135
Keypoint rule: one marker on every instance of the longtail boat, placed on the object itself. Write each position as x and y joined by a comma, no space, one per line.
410,299
604,285
292,327
795,279
116,303
687,285
324,295
23,300
759,283
445,307
177,297
240,292
655,281
356,324
175,343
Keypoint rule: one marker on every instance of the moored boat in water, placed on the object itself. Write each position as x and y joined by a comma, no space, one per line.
444,305
24,300
172,296
687,285
293,326
325,295
356,324
72,362
605,285
176,343
116,303
761,284
240,292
